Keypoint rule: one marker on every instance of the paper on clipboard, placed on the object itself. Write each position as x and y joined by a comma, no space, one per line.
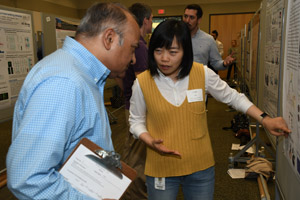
92,179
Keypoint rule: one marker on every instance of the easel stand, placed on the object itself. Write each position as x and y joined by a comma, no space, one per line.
256,140
111,116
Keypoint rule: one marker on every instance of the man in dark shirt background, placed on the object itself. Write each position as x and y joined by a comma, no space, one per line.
134,153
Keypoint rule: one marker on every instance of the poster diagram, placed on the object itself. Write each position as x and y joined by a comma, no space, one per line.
291,85
16,54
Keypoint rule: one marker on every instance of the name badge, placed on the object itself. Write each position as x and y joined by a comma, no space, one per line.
159,183
194,95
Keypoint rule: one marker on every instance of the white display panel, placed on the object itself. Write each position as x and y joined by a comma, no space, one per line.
16,54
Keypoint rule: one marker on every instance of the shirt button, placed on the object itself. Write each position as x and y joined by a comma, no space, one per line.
95,79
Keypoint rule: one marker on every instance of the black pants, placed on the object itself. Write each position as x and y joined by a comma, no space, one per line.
229,71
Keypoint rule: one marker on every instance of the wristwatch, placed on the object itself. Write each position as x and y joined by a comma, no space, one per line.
263,116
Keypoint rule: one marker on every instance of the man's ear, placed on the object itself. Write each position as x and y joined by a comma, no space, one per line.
108,38
199,20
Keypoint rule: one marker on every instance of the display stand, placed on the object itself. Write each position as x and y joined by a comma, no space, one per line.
256,140
251,52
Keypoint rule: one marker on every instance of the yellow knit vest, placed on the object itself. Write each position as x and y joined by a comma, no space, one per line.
182,128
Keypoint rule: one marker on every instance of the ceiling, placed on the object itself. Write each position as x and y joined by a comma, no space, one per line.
84,4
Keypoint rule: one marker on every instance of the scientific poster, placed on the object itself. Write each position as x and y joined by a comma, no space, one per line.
16,54
272,60
291,85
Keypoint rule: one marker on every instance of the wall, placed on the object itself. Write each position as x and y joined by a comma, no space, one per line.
221,8
208,9
72,12
42,6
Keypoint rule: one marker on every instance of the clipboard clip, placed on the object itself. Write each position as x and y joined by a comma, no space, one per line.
108,159
111,158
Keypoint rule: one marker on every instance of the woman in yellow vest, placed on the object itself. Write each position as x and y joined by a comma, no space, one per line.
167,112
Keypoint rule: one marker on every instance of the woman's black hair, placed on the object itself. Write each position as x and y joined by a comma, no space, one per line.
163,36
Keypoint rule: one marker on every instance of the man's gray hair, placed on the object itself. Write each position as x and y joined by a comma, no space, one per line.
101,16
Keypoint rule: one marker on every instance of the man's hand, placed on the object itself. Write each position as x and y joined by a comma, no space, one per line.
228,60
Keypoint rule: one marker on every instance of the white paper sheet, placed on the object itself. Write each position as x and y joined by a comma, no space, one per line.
91,178
238,147
236,173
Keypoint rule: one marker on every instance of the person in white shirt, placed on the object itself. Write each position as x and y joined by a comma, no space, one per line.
167,112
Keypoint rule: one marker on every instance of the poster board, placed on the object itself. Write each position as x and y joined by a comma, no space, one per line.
55,29
248,55
17,55
65,27
254,63
239,55
274,94
289,156
270,78
272,57
241,64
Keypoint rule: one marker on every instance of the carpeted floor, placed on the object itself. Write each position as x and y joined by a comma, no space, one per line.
227,188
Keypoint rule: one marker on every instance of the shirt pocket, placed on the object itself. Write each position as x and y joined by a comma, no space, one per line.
197,123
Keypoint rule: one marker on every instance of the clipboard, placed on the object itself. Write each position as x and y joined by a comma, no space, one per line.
90,173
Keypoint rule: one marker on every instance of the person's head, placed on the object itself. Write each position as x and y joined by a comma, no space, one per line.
109,31
215,34
143,15
233,43
192,16
170,49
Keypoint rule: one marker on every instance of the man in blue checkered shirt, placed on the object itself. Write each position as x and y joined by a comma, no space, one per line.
61,102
